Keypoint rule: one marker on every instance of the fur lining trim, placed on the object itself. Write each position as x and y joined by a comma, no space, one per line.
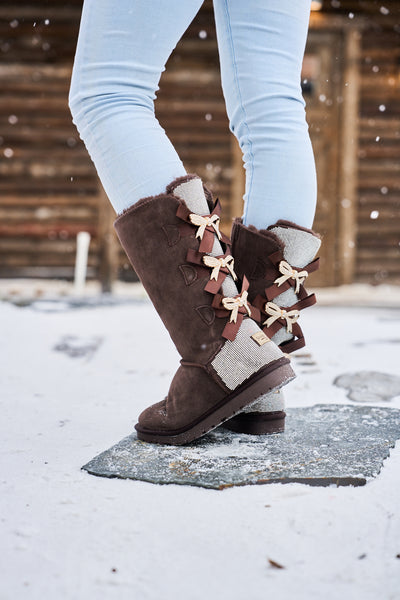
140,203
290,225
185,179
179,180
238,225
168,193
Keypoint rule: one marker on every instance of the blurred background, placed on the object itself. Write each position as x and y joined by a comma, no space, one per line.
49,190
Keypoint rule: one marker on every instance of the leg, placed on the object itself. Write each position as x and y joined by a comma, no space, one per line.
261,46
170,238
121,53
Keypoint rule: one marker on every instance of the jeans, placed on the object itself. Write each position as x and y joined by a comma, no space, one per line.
122,50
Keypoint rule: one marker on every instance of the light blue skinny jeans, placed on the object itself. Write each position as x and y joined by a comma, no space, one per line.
122,50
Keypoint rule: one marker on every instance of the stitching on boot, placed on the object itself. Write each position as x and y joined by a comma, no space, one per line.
172,233
189,274
207,314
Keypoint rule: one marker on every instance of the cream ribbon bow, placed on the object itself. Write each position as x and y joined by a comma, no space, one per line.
276,313
289,273
217,263
203,222
234,304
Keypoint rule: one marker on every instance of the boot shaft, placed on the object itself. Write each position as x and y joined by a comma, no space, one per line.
277,262
157,243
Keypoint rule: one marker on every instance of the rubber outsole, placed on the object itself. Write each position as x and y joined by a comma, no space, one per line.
274,376
257,423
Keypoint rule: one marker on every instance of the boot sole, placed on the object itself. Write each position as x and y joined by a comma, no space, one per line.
274,376
257,423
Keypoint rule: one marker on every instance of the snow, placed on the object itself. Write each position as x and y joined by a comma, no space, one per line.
69,536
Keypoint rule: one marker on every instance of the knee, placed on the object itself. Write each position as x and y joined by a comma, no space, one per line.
77,103
281,110
93,101
268,117
81,100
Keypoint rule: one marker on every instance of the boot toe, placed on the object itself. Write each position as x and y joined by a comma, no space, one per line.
154,417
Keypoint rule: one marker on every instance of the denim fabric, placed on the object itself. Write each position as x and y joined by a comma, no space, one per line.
122,50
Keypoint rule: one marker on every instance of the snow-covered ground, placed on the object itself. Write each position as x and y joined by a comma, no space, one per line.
73,382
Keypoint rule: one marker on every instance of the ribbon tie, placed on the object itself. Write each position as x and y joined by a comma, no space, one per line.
217,263
276,313
289,273
203,222
233,304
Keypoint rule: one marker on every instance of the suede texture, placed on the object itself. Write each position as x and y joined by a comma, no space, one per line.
159,260
191,395
257,254
161,245
156,242
251,248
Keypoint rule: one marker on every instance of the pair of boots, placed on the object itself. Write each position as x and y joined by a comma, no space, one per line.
233,342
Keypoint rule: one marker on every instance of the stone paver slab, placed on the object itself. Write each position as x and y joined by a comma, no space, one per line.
322,445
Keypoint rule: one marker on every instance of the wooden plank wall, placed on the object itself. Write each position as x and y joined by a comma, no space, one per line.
377,236
49,189
378,239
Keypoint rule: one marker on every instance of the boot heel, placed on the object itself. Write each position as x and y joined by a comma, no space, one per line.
257,423
265,416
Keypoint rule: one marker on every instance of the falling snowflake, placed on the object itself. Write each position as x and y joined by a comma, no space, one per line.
374,214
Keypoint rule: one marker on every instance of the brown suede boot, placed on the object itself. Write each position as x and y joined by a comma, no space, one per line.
276,262
174,244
